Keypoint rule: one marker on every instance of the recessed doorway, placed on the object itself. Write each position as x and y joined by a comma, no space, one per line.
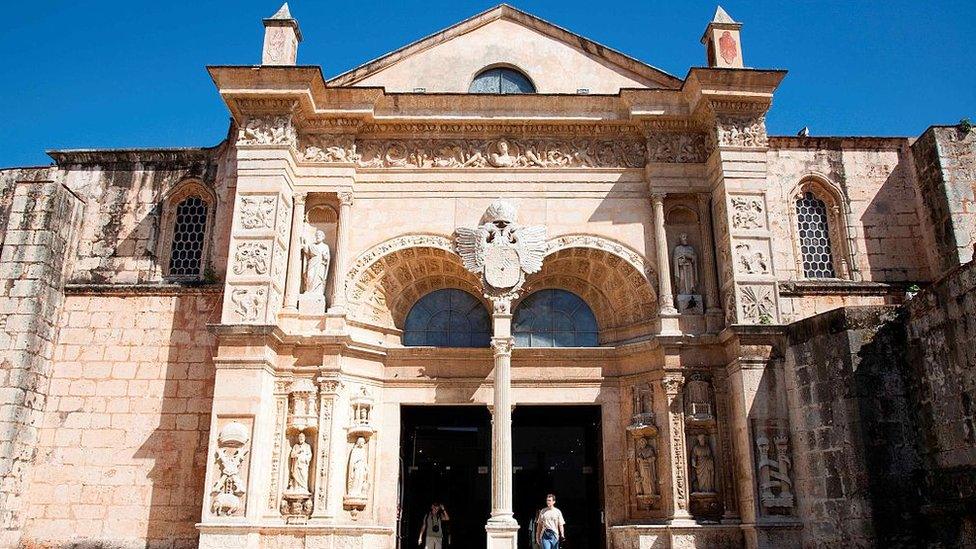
557,449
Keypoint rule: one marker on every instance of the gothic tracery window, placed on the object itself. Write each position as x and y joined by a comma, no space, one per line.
501,80
554,318
814,233
447,318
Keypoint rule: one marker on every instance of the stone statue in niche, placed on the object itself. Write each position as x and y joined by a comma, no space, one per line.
358,478
300,460
317,256
699,403
646,458
686,276
643,405
702,466
775,485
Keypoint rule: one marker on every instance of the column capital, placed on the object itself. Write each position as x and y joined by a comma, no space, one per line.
502,345
657,197
672,384
345,198
300,197
501,305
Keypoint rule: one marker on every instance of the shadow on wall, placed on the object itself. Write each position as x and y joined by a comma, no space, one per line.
178,446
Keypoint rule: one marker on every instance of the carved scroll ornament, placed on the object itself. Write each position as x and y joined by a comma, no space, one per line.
475,153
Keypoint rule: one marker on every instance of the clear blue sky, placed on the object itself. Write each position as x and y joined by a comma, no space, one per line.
131,74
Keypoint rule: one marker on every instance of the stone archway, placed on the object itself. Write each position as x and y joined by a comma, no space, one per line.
613,279
388,279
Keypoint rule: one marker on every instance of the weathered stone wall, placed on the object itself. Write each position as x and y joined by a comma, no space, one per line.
122,447
120,241
872,180
945,161
41,221
882,412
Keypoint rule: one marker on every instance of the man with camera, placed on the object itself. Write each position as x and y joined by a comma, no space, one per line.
433,527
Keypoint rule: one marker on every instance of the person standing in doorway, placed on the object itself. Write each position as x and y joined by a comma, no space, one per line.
433,527
550,528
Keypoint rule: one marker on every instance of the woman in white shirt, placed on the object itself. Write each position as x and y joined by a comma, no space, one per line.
550,525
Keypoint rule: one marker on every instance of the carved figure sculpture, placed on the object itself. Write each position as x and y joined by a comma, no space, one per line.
501,250
358,466
500,157
685,266
775,486
301,459
228,491
317,258
646,467
703,466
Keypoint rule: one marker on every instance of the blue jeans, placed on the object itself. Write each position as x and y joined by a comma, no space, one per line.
550,540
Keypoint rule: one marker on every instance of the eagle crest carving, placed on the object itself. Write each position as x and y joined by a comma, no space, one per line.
501,250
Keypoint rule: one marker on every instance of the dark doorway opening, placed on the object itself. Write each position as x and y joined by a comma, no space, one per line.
558,450
445,455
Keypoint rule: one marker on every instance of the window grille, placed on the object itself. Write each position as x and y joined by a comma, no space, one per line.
811,219
447,318
189,231
554,318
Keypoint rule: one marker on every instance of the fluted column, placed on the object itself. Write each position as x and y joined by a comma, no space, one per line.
673,385
337,301
294,280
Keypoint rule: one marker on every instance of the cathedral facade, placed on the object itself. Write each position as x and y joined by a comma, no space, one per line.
500,262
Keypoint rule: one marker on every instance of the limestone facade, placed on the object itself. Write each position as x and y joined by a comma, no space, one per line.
165,346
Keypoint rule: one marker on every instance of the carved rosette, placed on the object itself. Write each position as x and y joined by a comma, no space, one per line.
477,153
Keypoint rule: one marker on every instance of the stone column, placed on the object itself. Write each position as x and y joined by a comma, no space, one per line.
673,384
713,307
294,280
665,298
337,302
502,528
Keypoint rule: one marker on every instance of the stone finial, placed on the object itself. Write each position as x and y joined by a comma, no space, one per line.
281,38
722,43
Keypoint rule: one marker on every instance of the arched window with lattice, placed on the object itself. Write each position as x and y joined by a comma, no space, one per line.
447,318
822,246
554,318
187,218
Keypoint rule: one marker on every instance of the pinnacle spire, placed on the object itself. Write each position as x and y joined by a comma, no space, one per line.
721,16
284,13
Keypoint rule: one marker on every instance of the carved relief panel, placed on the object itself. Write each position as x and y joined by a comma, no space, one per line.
230,463
255,271
774,467
752,297
704,465
643,456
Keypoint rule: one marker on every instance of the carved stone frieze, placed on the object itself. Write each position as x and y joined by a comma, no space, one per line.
758,304
517,129
749,260
248,302
267,130
677,147
742,131
475,153
748,212
251,258
257,212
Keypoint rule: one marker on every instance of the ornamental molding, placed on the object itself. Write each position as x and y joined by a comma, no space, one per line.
374,254
742,131
475,153
267,130
630,256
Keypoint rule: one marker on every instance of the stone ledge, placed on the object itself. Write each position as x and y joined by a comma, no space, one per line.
174,156
836,142
143,289
799,288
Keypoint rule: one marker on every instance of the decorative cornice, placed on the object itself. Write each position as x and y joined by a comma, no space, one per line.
136,290
798,288
176,157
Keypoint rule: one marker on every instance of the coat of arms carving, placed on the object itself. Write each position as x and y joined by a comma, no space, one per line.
501,250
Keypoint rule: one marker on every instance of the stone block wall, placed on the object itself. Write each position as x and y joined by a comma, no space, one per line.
945,161
883,418
122,234
42,218
122,447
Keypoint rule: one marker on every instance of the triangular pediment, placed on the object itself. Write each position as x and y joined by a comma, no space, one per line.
555,59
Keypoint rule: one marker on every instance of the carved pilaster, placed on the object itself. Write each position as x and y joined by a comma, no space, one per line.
328,396
673,384
665,295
